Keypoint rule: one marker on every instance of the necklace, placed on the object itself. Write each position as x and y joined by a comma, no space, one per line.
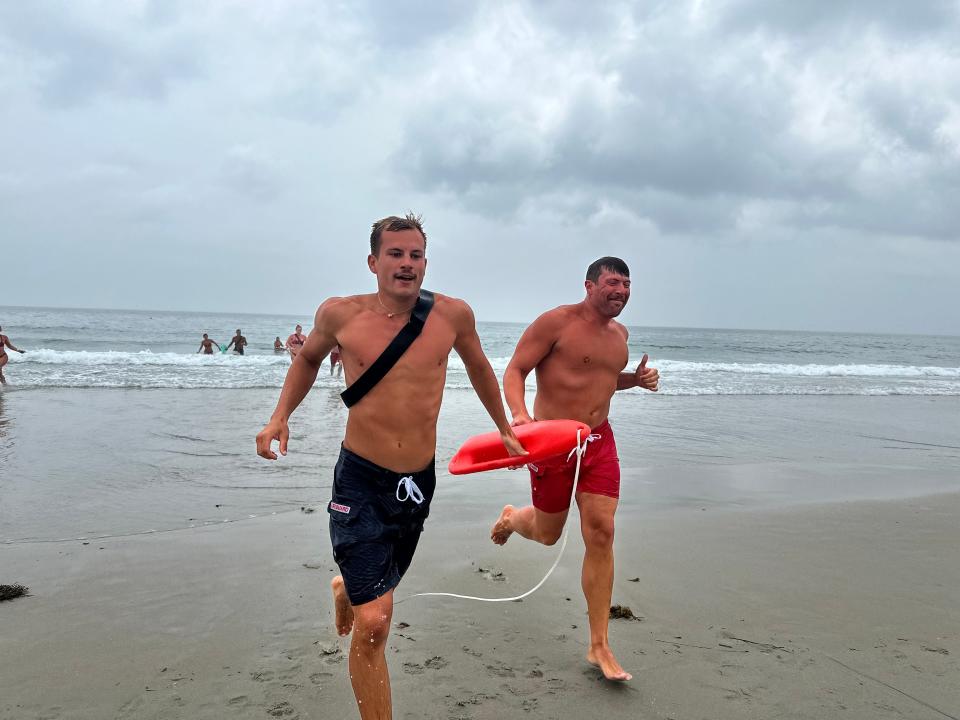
398,312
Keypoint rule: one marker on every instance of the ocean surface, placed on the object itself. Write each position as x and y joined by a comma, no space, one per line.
113,425
127,349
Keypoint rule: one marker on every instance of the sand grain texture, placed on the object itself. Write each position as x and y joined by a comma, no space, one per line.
844,610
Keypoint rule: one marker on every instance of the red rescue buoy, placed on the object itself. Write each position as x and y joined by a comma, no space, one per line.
541,439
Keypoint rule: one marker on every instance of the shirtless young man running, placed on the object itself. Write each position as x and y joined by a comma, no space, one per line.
4,358
579,353
384,479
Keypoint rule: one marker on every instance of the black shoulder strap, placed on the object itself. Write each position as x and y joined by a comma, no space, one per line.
388,358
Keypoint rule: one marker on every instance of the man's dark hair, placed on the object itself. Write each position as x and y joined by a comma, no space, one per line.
608,263
394,223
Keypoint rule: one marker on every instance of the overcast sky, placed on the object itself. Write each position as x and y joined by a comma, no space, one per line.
757,163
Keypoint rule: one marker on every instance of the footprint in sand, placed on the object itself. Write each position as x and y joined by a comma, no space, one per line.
468,651
289,673
283,709
131,706
331,654
501,671
239,700
491,574
436,662
413,668
319,677
474,700
262,675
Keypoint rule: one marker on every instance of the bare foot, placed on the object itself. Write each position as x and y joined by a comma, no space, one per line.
502,531
603,658
343,609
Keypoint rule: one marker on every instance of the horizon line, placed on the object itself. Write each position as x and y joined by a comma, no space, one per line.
502,322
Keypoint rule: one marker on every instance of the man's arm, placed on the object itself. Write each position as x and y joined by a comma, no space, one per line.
482,377
231,343
301,376
535,344
6,341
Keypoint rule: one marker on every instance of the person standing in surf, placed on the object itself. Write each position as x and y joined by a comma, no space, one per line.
296,341
4,358
335,361
207,346
579,353
384,479
239,342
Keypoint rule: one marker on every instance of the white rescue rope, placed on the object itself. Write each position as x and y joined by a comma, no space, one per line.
579,450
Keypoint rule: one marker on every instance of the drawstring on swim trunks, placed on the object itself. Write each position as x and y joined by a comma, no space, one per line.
578,449
410,490
581,449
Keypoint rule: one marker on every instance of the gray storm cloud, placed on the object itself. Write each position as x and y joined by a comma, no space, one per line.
844,123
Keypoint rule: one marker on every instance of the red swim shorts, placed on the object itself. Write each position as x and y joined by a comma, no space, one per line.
551,481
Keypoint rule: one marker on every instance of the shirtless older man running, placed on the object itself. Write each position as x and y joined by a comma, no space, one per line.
579,353
384,479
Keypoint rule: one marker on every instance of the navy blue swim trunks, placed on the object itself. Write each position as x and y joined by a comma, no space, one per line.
376,517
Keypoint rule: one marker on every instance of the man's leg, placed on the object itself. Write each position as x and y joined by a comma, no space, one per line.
529,522
596,524
368,663
343,610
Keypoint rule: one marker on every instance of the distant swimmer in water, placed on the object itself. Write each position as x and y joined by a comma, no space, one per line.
207,346
335,361
278,345
4,358
238,342
296,341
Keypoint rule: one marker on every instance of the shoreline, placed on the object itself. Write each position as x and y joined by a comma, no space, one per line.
792,613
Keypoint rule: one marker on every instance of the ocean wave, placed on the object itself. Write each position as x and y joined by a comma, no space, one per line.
145,358
46,356
890,371
145,369
463,385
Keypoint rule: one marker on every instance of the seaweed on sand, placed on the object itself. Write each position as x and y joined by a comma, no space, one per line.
622,612
9,592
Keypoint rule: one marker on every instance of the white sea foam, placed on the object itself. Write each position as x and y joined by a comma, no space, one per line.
45,367
891,371
46,356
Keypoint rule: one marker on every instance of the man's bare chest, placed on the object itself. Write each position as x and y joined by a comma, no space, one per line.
363,341
591,351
